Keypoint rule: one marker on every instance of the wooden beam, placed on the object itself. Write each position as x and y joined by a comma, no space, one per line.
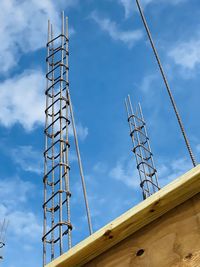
139,216
172,240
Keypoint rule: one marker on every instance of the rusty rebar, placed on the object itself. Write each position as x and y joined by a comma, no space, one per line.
166,84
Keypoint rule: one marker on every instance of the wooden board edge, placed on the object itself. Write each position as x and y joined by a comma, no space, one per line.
134,219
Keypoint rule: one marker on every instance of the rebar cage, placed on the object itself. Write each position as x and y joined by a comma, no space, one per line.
57,226
142,150
57,223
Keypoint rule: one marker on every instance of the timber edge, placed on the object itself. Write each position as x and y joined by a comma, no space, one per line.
169,197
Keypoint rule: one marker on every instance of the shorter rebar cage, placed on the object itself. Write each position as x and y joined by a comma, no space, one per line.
142,150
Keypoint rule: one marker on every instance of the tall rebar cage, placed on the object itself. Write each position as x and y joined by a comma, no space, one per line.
142,150
57,224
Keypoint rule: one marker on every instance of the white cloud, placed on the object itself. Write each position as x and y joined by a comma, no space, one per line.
15,193
24,27
100,167
186,54
127,37
25,225
126,172
69,3
31,160
130,5
147,83
171,2
171,170
9,196
198,148
82,131
22,100
28,159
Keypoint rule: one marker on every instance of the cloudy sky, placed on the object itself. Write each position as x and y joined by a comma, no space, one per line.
109,57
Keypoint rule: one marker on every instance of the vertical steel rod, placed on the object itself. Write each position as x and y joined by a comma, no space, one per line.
61,138
166,84
149,146
143,141
52,142
67,139
45,157
80,166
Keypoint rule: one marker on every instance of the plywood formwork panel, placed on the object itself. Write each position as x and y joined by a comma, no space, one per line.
173,240
182,190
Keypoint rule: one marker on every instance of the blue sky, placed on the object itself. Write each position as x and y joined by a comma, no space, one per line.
109,57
